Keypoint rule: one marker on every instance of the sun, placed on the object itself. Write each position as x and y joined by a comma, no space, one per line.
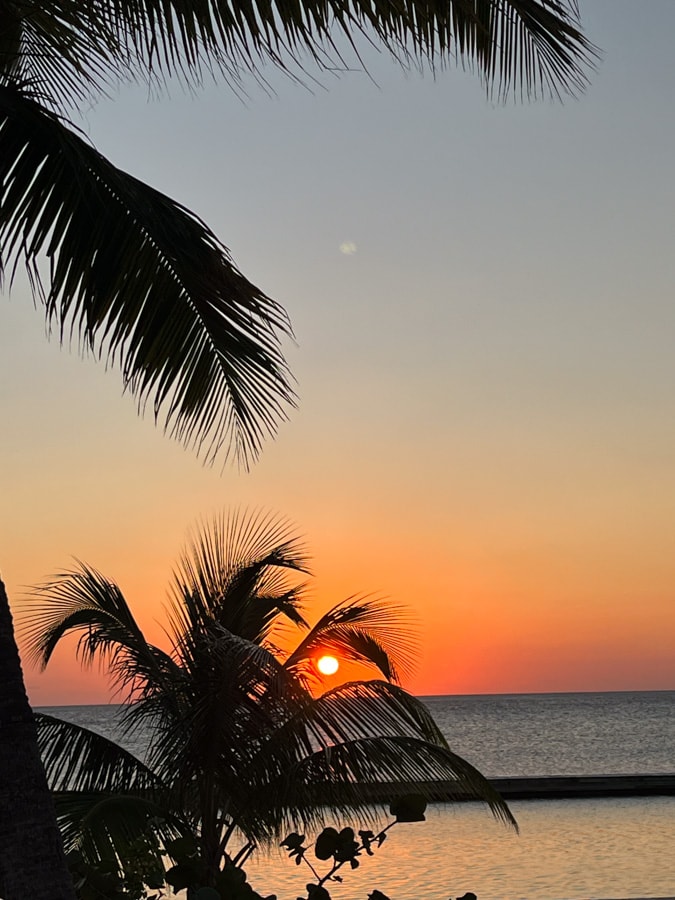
327,665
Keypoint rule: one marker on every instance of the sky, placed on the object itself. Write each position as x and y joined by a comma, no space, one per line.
486,421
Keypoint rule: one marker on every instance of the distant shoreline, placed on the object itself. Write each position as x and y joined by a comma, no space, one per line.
550,787
571,786
507,694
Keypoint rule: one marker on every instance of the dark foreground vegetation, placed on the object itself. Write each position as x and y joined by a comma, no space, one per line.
245,743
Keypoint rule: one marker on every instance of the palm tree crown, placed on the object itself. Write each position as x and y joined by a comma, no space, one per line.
243,739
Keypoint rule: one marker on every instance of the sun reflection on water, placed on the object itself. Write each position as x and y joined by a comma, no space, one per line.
567,848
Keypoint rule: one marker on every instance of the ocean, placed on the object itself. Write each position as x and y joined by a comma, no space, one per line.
590,849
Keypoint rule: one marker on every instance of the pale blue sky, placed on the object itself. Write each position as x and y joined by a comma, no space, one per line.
486,385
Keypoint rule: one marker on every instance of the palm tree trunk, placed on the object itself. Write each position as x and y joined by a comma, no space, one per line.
32,861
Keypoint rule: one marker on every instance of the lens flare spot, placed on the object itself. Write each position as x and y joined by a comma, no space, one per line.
348,248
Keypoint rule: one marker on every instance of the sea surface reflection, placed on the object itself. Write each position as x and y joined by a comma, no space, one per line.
608,848
567,849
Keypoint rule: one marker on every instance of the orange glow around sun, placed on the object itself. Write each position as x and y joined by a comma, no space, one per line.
327,665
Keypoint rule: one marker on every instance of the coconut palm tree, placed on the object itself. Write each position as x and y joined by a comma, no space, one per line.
24,792
244,739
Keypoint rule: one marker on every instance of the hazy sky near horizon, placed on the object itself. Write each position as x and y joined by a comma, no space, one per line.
486,381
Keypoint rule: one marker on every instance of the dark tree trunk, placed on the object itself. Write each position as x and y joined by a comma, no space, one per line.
32,862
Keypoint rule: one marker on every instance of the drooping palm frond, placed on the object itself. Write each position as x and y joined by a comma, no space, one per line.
350,716
78,759
85,603
58,52
235,571
106,827
529,46
375,742
533,46
356,775
363,709
105,797
142,282
367,630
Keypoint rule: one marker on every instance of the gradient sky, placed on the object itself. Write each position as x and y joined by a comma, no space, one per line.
486,428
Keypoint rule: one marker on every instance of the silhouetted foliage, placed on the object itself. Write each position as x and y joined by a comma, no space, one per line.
244,740
342,847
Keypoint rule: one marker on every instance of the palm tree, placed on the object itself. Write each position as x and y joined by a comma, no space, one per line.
139,279
243,741
24,793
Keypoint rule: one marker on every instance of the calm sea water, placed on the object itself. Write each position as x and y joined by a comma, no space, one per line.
607,848
561,734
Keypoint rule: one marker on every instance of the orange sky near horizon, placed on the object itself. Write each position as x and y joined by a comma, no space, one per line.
486,426
483,627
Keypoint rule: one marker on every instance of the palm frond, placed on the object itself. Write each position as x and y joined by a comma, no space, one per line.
106,799
78,759
107,827
365,709
58,53
84,602
234,693
367,772
143,283
360,711
368,630
75,47
235,571
531,46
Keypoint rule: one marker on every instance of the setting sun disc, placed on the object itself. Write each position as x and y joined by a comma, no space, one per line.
327,665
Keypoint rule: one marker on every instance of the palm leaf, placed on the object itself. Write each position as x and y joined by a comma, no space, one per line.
105,797
366,772
107,826
314,728
84,602
234,571
142,282
534,46
77,759
372,742
364,709
367,630
56,52
357,711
